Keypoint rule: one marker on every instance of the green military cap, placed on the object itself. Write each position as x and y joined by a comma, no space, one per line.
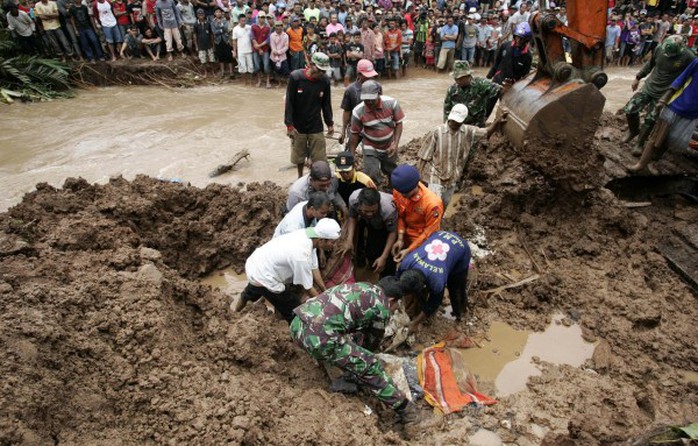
461,68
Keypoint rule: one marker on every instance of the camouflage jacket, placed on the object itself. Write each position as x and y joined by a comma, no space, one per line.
474,97
346,309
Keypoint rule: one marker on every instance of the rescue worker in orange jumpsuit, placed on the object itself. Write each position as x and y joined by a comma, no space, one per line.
419,211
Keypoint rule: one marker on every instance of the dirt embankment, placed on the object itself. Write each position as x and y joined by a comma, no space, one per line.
108,338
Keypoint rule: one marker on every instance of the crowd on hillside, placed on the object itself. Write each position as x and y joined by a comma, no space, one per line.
273,38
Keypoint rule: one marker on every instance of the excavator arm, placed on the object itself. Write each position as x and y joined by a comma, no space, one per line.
561,100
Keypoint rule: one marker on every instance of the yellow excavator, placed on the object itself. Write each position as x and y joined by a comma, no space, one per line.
561,100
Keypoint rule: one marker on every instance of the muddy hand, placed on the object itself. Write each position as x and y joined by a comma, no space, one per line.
330,130
379,265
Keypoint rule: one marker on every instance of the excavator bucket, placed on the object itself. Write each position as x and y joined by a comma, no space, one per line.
541,111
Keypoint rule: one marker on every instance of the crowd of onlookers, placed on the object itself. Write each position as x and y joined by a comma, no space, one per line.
263,38
633,33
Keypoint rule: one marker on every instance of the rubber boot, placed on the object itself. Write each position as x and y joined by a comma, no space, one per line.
644,134
633,126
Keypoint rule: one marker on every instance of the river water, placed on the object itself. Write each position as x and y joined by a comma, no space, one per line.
186,133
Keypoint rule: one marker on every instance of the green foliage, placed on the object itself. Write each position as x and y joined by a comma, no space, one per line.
30,78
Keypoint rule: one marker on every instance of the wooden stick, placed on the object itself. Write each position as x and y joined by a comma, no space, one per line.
223,168
525,281
536,267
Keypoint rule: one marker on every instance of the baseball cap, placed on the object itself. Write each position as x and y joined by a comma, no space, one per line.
320,170
278,23
365,67
326,228
458,113
344,161
295,18
261,15
370,90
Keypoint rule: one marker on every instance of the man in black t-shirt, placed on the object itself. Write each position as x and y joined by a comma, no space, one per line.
80,18
307,96
354,51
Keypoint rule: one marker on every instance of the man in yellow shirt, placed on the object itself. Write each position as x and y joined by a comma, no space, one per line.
47,11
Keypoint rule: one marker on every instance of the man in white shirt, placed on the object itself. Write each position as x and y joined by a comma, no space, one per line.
284,261
242,48
305,214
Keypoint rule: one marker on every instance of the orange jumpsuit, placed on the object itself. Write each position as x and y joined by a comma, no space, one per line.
418,217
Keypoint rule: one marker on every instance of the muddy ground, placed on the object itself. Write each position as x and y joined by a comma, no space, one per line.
108,337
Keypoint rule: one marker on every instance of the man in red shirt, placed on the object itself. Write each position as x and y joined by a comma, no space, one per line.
393,41
377,121
260,48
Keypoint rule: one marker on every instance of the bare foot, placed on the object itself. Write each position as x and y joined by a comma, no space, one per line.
169,57
113,59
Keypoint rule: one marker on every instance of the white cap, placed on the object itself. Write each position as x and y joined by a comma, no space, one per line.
458,113
326,228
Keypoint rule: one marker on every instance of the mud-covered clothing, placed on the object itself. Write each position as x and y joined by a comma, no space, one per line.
474,96
418,217
301,188
442,255
640,101
332,326
510,63
661,71
446,153
345,188
306,98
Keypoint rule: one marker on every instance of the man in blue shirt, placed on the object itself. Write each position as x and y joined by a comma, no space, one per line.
677,120
449,35
441,262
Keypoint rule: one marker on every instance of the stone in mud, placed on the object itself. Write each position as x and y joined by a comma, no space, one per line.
603,357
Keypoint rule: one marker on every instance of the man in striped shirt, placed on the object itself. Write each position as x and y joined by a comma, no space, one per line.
378,119
448,149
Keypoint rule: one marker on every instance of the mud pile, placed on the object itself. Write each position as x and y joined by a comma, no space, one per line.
597,262
106,341
108,338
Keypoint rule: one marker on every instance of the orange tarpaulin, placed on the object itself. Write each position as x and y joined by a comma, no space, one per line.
449,389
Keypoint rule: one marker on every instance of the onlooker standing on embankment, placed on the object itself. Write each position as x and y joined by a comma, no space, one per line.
169,20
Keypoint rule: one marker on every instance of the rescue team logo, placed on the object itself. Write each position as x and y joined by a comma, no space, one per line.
437,250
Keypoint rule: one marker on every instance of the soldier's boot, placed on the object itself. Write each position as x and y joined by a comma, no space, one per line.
644,134
340,385
633,126
409,415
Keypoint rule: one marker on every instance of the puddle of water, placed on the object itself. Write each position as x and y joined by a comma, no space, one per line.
483,437
506,358
226,281
504,345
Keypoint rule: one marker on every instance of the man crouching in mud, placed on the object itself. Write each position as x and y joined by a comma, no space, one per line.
333,326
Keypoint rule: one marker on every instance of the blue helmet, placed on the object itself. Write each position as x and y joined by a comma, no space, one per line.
523,30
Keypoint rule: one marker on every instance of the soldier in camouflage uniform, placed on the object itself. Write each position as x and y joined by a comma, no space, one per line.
474,92
333,326
667,63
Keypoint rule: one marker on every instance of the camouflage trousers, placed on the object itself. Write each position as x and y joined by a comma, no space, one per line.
637,103
342,351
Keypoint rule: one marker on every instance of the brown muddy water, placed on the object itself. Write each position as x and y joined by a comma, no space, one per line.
186,133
